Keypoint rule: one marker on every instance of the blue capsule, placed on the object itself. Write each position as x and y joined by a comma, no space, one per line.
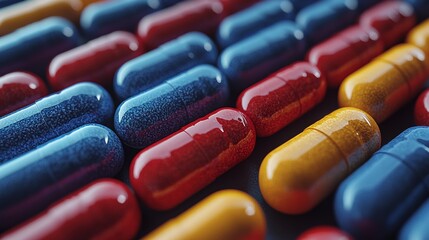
32,47
376,199
53,116
416,228
421,7
33,181
254,58
164,109
163,63
5,3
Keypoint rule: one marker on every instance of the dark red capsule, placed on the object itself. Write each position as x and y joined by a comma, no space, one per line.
282,97
324,233
421,109
233,6
19,89
171,170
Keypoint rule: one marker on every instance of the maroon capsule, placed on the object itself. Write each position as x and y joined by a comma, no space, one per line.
19,89
324,233
421,109
282,97
171,170
96,61
233,6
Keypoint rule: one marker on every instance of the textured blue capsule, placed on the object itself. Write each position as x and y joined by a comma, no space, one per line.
5,3
32,47
164,109
160,64
421,7
33,181
375,200
53,116
416,227
254,58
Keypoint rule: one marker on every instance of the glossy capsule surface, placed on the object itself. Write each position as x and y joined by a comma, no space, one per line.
164,109
40,177
416,226
19,89
421,109
297,175
398,175
104,209
227,215
257,56
345,52
32,47
53,116
419,36
171,170
324,233
282,97
96,61
162,63
385,84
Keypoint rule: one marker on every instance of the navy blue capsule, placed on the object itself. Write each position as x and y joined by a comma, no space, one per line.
164,109
376,199
162,63
5,3
421,7
254,58
416,228
32,47
33,181
53,116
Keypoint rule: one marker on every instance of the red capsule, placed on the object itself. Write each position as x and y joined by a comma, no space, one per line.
421,109
282,97
391,19
19,89
233,6
97,61
171,170
104,209
324,233
345,53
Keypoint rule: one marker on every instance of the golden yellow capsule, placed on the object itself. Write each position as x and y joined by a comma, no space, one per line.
419,36
297,175
227,214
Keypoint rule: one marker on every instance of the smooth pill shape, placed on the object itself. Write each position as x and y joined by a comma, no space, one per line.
421,7
53,116
377,199
324,233
416,226
164,109
32,47
19,89
282,97
297,175
419,36
46,174
227,215
259,55
171,170
165,62
104,209
421,109
96,61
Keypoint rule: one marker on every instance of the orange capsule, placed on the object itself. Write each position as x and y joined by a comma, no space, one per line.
419,36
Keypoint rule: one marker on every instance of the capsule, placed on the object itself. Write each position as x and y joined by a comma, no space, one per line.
387,83
165,62
5,3
164,109
297,175
324,233
421,109
171,170
31,48
53,116
96,61
416,226
345,52
376,200
282,97
227,215
233,6
257,56
421,7
19,89
40,177
419,36
391,19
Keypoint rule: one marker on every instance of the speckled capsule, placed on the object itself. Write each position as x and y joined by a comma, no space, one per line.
96,61
419,36
377,199
171,170
227,215
387,83
19,89
164,109
421,7
282,97
42,176
257,56
53,116
32,47
416,226
167,61
421,109
297,175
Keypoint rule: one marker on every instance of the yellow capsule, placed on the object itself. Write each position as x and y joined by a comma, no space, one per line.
227,214
385,84
419,36
297,175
